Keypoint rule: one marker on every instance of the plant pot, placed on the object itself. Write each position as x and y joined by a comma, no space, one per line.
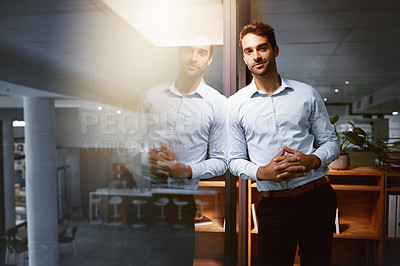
341,163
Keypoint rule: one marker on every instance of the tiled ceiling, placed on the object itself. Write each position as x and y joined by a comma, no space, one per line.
78,48
326,43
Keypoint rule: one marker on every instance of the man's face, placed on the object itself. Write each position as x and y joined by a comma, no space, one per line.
194,60
258,54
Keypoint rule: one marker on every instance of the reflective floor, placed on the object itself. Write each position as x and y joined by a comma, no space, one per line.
98,244
109,245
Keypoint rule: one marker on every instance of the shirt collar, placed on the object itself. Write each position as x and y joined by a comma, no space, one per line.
199,92
254,92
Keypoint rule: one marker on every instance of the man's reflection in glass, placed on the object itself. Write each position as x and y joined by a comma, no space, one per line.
183,134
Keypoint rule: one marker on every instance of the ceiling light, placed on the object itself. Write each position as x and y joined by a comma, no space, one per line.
325,99
119,112
336,90
395,113
17,123
173,22
99,108
347,82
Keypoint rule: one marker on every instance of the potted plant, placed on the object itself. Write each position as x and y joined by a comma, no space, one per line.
354,137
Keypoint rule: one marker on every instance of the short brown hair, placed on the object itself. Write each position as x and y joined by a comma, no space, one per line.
258,28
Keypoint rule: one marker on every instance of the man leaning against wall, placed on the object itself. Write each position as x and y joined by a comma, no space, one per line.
280,137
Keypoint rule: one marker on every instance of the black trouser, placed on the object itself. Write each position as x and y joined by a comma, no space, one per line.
308,219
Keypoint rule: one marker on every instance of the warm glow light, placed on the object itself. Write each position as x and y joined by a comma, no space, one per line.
119,112
395,113
173,22
17,123
99,108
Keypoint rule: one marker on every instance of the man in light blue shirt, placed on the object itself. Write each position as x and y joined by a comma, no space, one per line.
183,135
188,142
280,136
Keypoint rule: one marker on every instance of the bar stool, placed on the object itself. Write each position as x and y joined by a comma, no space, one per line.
115,200
138,203
180,204
162,202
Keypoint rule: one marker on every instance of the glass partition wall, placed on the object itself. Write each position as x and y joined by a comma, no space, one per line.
151,82
126,95
135,211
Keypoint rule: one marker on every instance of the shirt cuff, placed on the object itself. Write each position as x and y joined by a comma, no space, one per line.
250,172
196,170
323,162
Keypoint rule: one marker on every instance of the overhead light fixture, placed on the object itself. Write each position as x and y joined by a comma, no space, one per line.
119,112
336,90
347,82
395,113
173,22
99,108
325,99
17,123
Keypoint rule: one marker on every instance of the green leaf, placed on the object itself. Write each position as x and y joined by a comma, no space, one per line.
359,131
351,124
357,137
334,119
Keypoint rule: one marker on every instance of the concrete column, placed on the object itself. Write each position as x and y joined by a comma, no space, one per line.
9,175
41,181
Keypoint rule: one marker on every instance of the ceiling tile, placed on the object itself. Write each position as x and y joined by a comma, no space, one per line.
310,36
307,49
62,20
385,4
380,19
369,48
315,21
373,34
309,6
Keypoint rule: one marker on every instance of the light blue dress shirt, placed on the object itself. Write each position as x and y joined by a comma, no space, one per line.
193,126
260,124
